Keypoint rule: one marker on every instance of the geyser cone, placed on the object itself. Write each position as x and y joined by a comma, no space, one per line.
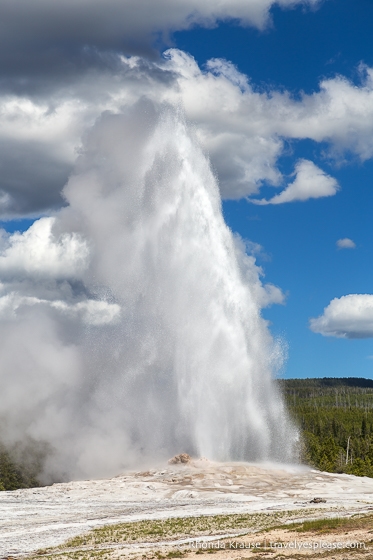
171,353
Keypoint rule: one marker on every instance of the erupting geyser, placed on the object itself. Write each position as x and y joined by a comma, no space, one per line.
135,330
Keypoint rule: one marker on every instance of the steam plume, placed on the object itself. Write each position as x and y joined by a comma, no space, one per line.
134,332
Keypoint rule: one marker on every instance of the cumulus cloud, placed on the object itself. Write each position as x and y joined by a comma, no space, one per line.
43,118
91,312
241,129
244,129
57,37
310,182
247,251
38,253
350,316
346,243
43,268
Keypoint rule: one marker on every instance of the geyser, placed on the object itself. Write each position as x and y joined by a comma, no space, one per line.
133,331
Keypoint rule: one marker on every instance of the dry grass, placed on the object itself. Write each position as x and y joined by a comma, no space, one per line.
113,542
336,525
174,528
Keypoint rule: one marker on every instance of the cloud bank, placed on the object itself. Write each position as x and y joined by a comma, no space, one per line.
61,37
243,130
350,316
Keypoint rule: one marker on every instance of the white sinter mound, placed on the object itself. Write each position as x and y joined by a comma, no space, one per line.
37,518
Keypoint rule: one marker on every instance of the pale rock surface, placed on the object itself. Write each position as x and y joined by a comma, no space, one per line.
41,517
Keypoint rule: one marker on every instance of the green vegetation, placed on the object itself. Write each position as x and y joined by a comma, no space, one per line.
336,420
329,525
105,543
19,467
171,528
105,540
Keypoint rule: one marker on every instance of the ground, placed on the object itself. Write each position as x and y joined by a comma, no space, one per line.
234,510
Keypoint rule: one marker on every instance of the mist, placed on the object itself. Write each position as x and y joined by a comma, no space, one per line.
131,319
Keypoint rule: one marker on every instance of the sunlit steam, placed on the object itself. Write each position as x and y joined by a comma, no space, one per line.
137,333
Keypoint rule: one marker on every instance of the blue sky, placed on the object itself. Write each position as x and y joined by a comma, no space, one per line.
301,48
283,52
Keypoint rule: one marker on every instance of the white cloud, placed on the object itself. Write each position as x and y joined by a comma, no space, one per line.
90,312
350,316
241,129
340,113
252,248
29,28
230,120
267,294
346,243
310,182
38,253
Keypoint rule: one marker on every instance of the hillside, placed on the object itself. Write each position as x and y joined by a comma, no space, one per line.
335,416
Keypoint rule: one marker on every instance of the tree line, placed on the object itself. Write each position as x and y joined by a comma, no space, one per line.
335,417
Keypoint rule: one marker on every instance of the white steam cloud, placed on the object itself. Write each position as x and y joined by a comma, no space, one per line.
130,321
